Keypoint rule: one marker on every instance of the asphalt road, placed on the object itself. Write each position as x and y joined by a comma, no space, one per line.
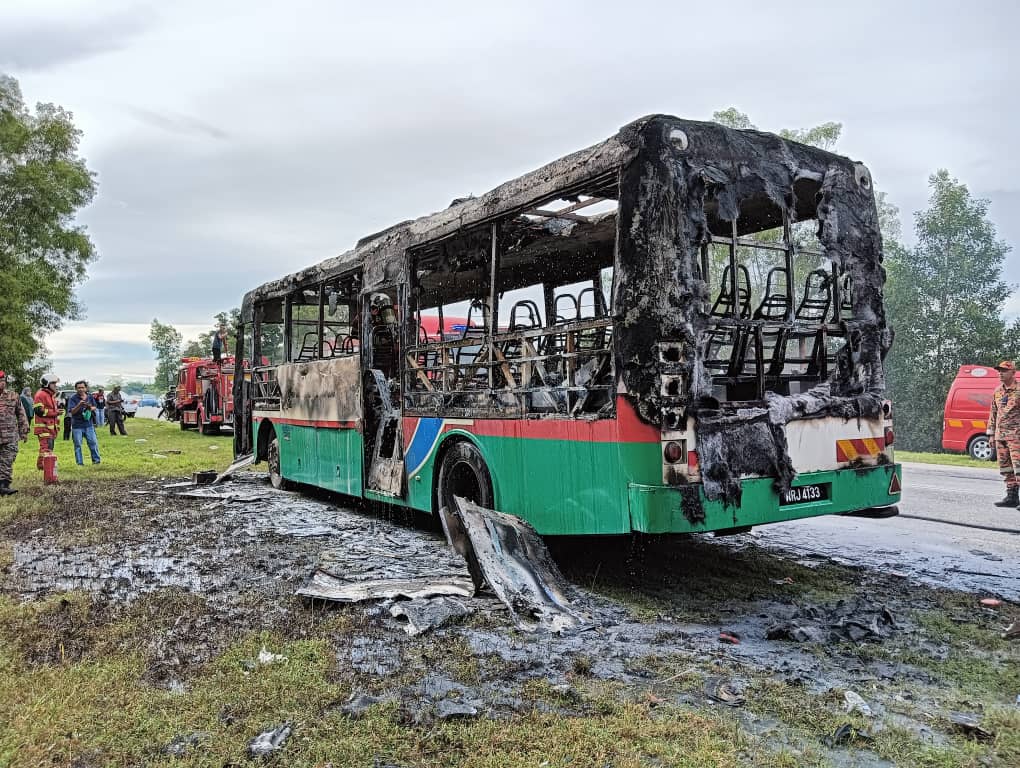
954,545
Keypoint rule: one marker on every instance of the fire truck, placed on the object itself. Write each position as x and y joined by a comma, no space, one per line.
204,398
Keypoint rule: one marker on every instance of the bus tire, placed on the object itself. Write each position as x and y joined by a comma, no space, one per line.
462,472
275,474
981,448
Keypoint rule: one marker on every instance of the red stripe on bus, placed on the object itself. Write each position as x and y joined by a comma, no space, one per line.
625,428
311,422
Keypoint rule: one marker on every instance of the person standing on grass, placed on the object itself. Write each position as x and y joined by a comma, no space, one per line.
1004,429
67,422
81,407
47,416
115,411
26,403
13,427
100,399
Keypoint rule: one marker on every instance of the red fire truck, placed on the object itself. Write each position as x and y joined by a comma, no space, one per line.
204,398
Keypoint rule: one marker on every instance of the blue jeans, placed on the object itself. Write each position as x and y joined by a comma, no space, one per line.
100,416
90,437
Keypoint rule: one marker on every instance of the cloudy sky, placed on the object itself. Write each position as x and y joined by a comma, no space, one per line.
238,141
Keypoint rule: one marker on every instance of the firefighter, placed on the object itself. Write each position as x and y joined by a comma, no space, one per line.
47,417
1004,429
13,427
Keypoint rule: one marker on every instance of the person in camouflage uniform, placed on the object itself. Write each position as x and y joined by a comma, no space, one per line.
13,427
1004,429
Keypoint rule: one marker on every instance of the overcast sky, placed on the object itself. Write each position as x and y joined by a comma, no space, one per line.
235,142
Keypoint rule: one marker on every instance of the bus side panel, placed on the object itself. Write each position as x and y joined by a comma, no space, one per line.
559,486
564,476
298,458
340,454
319,423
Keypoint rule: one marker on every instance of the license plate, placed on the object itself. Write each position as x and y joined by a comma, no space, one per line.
804,494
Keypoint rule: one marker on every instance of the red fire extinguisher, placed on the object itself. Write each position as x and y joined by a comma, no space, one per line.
49,469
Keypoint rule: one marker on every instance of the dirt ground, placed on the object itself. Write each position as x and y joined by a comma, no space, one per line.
823,662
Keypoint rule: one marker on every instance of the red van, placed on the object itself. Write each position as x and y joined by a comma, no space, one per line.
966,415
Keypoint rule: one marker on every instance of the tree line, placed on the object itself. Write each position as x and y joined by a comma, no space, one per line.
944,294
169,347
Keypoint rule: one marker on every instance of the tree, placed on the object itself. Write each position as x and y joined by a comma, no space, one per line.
944,299
43,253
202,346
166,343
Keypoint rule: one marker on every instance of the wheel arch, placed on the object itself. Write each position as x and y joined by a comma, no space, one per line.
448,441
267,431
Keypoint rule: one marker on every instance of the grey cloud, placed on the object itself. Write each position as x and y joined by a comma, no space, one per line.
39,44
172,122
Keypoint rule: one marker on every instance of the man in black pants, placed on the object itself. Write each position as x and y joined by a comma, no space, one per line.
67,421
115,411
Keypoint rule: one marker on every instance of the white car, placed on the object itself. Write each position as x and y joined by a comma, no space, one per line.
131,405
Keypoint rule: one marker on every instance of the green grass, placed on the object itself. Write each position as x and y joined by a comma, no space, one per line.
124,456
951,459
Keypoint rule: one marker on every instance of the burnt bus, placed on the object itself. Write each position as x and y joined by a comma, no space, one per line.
679,329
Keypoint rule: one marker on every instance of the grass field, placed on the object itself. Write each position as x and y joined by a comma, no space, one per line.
951,459
150,449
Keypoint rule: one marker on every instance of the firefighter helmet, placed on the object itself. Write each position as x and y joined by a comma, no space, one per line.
48,380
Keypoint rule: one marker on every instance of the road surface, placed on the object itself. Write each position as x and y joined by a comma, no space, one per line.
948,532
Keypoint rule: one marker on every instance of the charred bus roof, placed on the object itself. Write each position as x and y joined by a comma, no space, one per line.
748,176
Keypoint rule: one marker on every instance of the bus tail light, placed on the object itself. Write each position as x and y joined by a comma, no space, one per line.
890,436
673,452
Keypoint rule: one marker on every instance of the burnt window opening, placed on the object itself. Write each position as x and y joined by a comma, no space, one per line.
322,320
270,351
513,319
777,306
303,322
340,320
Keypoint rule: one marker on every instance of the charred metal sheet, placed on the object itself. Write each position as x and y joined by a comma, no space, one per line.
239,463
326,586
321,390
517,566
427,614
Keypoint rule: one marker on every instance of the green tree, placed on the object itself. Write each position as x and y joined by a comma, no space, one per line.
944,299
166,343
43,253
202,345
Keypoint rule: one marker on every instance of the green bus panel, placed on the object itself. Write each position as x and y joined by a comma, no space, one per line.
574,487
325,457
657,509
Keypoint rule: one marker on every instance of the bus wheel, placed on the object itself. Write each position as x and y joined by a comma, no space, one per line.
463,473
980,448
275,475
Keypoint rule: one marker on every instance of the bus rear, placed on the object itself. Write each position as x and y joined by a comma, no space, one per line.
751,330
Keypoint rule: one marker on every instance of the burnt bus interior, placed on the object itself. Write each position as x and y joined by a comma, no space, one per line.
530,298
776,308
512,317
